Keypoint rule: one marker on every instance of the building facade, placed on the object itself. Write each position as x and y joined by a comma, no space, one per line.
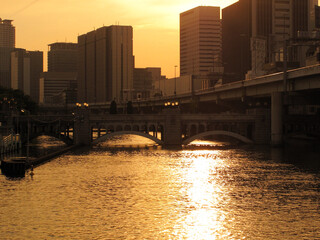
142,83
254,31
26,67
63,57
55,84
200,39
7,33
7,44
106,65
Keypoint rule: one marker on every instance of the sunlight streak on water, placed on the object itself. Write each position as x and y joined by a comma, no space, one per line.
203,220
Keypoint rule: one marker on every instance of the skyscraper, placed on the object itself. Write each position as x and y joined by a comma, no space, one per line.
253,33
7,33
63,57
26,67
200,39
7,44
236,35
106,65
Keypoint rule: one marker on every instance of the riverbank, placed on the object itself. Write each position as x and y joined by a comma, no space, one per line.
35,162
16,167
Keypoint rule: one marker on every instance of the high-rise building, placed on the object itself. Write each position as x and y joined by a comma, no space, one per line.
26,67
236,35
5,79
254,31
142,83
63,57
59,84
200,40
55,84
106,65
7,33
7,44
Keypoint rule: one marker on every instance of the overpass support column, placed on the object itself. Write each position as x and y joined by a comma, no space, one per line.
172,128
276,119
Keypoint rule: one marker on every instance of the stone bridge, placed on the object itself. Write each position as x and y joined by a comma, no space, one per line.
169,128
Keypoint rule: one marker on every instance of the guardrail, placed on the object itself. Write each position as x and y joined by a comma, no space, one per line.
10,143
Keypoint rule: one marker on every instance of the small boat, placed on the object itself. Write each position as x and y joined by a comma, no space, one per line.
14,167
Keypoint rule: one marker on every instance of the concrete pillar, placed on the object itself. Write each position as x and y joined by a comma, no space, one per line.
172,128
276,119
82,128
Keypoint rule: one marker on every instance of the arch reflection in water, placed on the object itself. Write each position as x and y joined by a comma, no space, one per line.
127,141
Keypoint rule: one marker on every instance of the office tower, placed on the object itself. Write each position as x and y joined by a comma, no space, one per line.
63,57
106,65
253,33
142,83
236,35
57,87
5,80
7,44
200,40
26,67
59,84
7,33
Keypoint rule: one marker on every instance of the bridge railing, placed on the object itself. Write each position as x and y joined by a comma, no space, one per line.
9,143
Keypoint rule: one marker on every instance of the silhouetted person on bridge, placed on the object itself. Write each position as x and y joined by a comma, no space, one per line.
129,108
113,107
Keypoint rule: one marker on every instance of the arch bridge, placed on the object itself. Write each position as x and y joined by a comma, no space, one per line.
169,128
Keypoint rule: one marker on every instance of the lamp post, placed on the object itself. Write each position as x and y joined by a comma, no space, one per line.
175,80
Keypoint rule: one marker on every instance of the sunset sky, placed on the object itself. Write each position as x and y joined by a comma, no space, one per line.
155,24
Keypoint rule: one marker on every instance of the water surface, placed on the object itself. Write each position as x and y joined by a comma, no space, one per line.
151,193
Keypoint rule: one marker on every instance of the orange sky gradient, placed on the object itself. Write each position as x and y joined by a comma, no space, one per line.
155,24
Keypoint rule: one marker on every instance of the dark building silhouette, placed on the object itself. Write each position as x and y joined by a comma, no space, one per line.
106,65
236,35
5,64
59,84
200,40
26,67
63,57
7,33
253,32
142,83
7,44
317,16
58,87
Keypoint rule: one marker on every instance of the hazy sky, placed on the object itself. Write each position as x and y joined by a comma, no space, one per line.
155,24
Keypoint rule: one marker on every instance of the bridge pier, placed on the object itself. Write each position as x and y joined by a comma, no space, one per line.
172,130
82,128
276,119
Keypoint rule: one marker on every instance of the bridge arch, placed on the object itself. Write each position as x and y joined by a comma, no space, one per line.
219,132
142,134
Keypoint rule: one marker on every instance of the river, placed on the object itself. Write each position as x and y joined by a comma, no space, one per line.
145,192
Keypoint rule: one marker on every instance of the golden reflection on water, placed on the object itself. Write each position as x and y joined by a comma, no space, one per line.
204,220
